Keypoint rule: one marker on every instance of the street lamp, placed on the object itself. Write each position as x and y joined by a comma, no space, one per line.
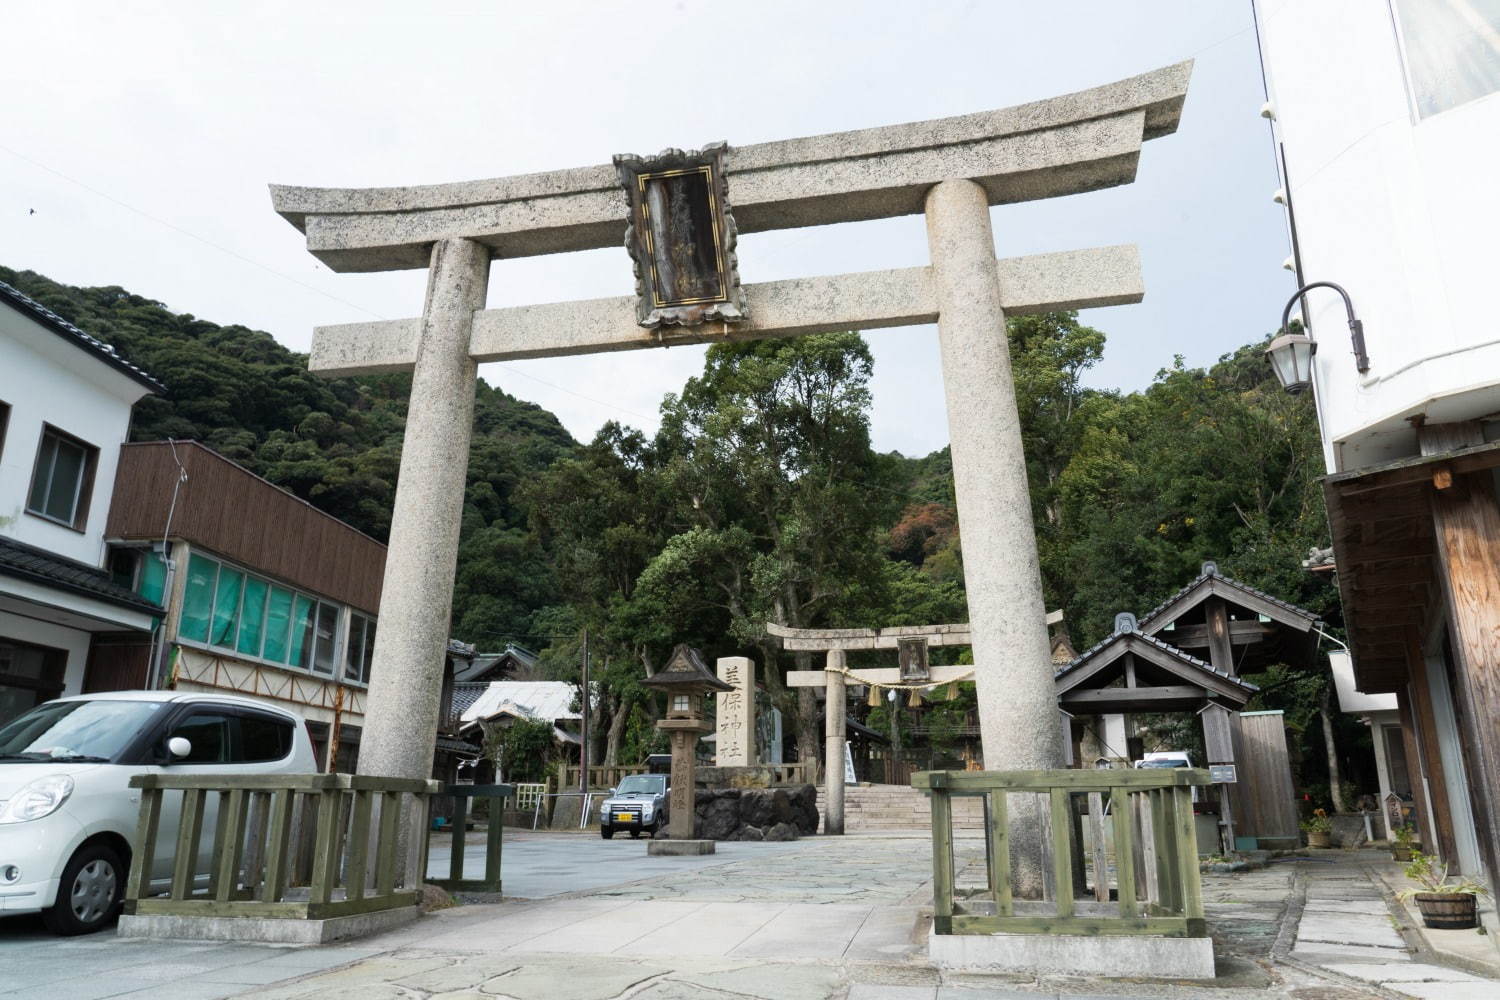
1291,353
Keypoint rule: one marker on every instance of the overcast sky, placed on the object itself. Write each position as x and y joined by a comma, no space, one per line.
137,140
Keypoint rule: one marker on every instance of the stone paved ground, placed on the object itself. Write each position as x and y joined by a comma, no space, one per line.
837,918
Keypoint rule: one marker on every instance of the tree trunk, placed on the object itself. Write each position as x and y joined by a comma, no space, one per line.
809,734
1335,779
616,735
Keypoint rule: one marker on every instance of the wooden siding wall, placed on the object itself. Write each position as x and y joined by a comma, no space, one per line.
234,513
118,663
1265,778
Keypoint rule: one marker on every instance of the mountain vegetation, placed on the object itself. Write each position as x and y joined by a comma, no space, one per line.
760,498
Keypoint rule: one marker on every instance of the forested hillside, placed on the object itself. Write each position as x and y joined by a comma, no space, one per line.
761,498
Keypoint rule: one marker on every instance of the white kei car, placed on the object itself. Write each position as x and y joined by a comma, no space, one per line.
68,814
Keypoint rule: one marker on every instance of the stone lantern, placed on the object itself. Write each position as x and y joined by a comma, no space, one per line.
685,680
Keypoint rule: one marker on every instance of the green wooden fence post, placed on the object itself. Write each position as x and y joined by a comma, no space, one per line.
999,854
1062,851
359,847
144,860
230,837
942,858
190,828
325,848
1190,890
278,845
1120,811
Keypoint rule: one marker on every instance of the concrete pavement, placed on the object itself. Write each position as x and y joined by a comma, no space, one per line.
838,918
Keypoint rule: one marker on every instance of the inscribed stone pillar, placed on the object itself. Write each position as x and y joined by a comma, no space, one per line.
406,676
735,711
684,784
1017,704
833,744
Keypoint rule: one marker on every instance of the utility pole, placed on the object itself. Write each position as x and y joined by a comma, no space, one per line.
583,736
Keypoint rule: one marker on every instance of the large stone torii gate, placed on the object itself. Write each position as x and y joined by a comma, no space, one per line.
952,169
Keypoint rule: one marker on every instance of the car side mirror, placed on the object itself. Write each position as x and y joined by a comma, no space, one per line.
611,791
179,746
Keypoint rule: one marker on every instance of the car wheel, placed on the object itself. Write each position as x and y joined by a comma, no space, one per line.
656,828
606,832
89,892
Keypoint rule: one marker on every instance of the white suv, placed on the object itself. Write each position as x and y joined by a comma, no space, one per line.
68,814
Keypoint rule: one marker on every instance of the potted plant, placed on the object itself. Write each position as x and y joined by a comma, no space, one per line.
1319,829
1405,842
1445,905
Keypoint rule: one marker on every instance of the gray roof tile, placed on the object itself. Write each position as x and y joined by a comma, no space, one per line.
93,345
27,562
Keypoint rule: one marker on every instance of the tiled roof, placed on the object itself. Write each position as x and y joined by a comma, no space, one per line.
27,562
483,663
1212,572
465,695
93,345
1165,647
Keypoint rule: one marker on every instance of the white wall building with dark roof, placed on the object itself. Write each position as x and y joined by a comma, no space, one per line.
65,408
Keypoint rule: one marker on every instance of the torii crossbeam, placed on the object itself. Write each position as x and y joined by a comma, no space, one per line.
951,169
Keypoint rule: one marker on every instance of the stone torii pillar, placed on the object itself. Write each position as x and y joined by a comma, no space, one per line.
953,170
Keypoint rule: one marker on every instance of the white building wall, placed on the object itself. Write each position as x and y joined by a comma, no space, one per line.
1401,212
46,379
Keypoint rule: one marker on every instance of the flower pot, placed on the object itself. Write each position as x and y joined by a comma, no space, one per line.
1323,839
1448,911
1401,853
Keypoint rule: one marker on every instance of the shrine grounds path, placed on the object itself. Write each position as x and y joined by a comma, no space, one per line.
842,918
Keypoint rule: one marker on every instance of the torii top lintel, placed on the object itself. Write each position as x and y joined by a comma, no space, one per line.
1063,145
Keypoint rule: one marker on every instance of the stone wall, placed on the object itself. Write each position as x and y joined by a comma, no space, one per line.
782,813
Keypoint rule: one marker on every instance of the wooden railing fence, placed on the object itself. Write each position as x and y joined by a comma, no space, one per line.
1153,856
284,845
456,882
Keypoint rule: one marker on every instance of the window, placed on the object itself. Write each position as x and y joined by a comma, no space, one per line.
210,735
62,479
230,609
361,648
263,739
1451,50
252,616
278,623
29,675
198,598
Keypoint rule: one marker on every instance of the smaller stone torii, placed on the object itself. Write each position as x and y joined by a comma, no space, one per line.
837,643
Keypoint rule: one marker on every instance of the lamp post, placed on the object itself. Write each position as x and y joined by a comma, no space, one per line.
1291,354
685,679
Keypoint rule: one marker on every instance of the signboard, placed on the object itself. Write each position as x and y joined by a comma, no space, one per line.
849,778
681,236
1222,774
913,653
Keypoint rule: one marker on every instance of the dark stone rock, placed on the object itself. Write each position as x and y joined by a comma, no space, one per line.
805,808
781,805
782,831
719,820
757,807
750,833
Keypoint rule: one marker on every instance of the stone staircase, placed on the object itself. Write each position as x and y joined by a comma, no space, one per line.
871,808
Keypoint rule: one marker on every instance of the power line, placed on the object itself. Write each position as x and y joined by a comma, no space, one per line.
184,232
